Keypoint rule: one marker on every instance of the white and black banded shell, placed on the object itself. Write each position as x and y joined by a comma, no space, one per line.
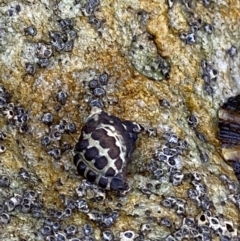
104,149
229,132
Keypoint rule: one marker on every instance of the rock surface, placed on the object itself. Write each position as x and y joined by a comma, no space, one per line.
60,58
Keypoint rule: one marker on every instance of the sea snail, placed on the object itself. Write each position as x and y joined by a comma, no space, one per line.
104,148
229,132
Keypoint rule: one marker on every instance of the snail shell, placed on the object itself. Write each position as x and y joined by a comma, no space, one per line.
104,149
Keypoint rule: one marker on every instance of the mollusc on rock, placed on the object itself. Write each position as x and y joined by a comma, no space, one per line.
229,132
166,65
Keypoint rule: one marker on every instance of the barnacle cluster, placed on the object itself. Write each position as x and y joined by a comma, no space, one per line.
52,141
15,115
195,22
200,228
58,59
52,230
167,159
60,41
209,75
96,88
24,201
63,40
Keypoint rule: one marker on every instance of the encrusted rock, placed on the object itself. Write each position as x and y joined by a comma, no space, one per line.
146,59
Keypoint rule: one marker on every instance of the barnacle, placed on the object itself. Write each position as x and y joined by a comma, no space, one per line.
31,30
104,149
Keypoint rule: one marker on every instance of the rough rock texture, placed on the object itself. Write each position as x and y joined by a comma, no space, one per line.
50,53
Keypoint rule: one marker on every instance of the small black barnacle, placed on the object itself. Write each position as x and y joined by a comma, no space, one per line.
96,103
70,128
3,102
43,63
158,173
236,168
71,34
55,134
2,148
65,24
25,205
93,3
145,228
70,230
31,30
188,38
45,141
99,92
178,234
59,236
165,222
208,28
192,121
62,97
107,235
46,230
164,103
232,51
18,8
55,152
204,157
87,229
97,24
201,136
128,235
104,149
30,194
10,204
82,205
4,181
168,202
4,218
93,84
108,219
103,78
176,178
69,46
30,68
87,10
44,51
57,41
189,221
59,214
47,118
24,174
55,226
192,193
90,7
